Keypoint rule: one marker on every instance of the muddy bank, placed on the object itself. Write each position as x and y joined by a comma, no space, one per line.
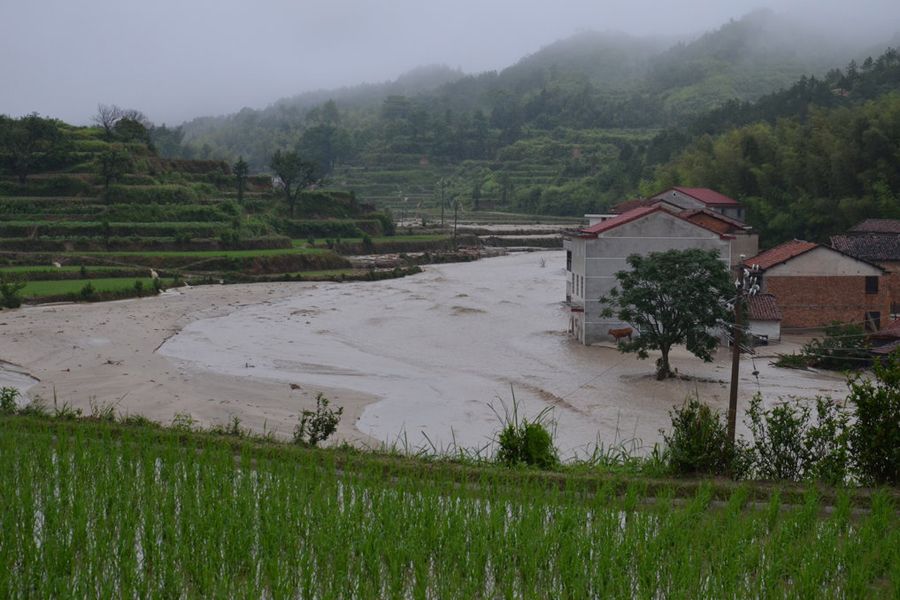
106,354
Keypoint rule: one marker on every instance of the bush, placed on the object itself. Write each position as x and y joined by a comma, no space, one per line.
788,444
10,293
318,425
875,434
844,347
184,422
524,442
8,397
698,443
88,292
368,246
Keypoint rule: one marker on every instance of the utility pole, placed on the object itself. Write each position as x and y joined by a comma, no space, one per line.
455,215
443,182
746,285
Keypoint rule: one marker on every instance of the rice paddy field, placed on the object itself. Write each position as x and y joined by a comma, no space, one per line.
40,289
91,509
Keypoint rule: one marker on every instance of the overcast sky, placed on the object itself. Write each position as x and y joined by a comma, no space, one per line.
177,59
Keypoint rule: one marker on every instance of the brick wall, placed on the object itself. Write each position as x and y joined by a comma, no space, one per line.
817,301
892,279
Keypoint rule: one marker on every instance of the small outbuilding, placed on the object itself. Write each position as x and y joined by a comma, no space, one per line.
764,318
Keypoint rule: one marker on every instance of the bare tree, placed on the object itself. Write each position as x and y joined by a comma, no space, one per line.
107,116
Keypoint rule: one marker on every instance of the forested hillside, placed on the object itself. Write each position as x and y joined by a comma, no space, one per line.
573,128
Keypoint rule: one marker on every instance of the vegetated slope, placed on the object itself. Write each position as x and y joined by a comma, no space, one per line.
103,204
94,509
566,130
815,158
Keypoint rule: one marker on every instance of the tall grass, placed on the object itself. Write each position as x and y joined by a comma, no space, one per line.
93,511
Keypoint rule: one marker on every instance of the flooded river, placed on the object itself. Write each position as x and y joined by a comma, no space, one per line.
441,349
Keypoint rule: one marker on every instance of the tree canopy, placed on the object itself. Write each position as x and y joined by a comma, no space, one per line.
673,297
28,142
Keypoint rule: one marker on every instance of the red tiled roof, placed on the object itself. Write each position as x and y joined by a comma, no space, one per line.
624,207
763,307
625,217
706,196
693,212
637,213
780,253
877,226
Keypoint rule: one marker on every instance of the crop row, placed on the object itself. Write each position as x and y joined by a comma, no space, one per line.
132,516
88,209
97,228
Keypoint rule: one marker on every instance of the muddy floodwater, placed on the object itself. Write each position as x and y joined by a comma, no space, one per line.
441,349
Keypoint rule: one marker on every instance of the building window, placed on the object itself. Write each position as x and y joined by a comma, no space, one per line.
568,260
895,310
872,285
873,320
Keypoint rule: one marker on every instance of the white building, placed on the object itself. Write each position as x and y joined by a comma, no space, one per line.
596,253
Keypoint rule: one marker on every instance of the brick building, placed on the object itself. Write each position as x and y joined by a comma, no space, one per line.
815,285
876,241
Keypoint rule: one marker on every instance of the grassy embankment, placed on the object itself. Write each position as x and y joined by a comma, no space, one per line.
94,508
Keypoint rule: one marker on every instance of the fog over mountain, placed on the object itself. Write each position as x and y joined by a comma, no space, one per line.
177,60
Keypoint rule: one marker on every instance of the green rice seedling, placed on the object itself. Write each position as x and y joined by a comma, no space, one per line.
98,509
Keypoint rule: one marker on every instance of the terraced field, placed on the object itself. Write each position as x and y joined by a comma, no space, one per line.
65,227
101,510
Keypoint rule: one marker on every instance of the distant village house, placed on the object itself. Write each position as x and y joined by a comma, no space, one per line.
594,254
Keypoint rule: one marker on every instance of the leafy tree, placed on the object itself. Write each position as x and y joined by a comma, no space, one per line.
240,169
672,297
25,142
295,174
111,164
875,433
128,129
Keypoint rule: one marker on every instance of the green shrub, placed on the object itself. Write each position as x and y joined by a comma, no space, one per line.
318,425
8,397
844,347
368,246
524,442
184,422
789,444
10,293
792,361
698,443
87,292
875,433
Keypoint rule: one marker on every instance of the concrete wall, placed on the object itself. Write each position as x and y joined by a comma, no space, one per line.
746,244
598,260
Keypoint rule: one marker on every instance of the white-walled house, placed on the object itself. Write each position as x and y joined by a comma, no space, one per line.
596,253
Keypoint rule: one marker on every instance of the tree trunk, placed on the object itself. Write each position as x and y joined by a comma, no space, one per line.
663,370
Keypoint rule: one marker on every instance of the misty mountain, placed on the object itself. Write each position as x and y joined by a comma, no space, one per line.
590,80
